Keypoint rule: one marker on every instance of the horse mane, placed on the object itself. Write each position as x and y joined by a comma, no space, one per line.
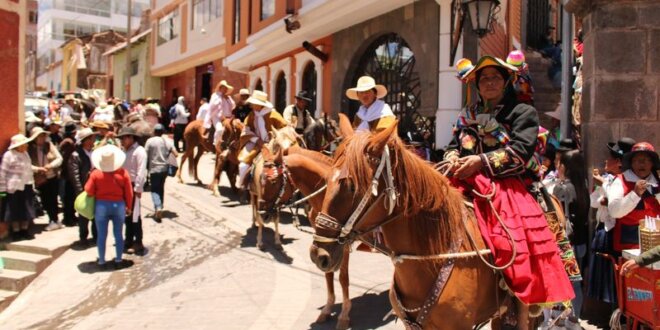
311,154
433,208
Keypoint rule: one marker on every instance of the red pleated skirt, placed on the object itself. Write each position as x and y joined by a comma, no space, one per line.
537,275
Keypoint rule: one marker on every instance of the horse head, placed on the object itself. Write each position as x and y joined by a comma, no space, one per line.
273,189
354,202
283,139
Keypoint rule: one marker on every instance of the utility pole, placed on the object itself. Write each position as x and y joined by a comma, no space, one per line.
128,51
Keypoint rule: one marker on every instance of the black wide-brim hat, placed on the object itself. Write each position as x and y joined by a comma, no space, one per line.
641,147
128,131
302,95
621,147
566,145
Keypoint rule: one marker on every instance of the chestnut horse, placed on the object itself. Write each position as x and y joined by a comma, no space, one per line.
306,170
226,155
194,137
425,226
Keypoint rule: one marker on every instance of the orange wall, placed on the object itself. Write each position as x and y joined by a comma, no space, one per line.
10,62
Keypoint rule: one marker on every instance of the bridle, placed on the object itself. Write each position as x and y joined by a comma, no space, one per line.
347,232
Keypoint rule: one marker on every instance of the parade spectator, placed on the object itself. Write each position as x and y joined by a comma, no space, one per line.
79,167
158,152
48,162
16,179
634,195
548,169
203,109
256,132
297,115
221,107
54,127
647,258
31,121
104,135
110,185
601,283
136,166
67,108
242,109
180,122
68,196
374,114
571,190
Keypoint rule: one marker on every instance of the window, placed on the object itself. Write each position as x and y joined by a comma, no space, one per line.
237,22
309,84
135,66
121,8
33,17
267,9
259,86
205,11
87,7
280,92
168,27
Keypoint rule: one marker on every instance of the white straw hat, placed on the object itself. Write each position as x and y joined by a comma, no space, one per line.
224,83
108,158
18,140
36,131
260,98
83,134
364,84
244,91
30,117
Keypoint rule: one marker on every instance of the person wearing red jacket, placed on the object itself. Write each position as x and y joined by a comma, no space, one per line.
111,186
634,195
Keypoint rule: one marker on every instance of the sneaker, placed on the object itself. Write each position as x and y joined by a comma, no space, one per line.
52,226
158,216
121,264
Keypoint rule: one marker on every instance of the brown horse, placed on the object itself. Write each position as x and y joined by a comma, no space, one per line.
305,170
425,216
321,135
194,137
281,140
226,155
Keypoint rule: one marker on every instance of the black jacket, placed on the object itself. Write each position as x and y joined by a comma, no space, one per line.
79,167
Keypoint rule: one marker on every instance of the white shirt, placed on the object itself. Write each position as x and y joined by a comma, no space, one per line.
181,114
219,109
376,110
620,205
203,110
597,197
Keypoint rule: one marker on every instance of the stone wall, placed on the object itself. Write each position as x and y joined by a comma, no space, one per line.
417,24
621,72
13,22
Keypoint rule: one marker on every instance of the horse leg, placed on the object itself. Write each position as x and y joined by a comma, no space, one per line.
198,156
213,186
327,309
257,219
343,321
278,242
183,161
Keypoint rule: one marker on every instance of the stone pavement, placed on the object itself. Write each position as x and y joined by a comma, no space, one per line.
202,271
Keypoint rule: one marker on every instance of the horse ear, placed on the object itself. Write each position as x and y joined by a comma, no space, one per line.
265,153
279,157
345,127
379,140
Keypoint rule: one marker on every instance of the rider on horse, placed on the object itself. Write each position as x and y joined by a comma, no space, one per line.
297,114
374,114
221,108
258,125
493,161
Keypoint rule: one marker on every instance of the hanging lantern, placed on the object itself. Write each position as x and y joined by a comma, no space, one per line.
481,13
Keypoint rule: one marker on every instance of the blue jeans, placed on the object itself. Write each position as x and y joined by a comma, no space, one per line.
104,212
157,181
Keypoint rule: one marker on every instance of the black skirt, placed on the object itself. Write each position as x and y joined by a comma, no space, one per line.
601,285
19,205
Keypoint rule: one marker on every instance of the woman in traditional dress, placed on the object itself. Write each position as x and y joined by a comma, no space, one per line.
493,162
374,114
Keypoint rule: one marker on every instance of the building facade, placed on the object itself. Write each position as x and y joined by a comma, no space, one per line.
188,47
31,46
143,85
63,20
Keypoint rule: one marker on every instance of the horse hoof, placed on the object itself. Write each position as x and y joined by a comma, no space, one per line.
343,324
323,318
278,247
261,247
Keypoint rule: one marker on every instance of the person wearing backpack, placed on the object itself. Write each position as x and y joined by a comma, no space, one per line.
179,116
158,152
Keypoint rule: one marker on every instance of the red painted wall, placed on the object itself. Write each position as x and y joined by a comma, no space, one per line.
9,84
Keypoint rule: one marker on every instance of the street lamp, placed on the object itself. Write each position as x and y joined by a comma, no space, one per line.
481,14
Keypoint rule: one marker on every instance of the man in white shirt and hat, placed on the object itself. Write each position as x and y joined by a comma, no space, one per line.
221,107
297,114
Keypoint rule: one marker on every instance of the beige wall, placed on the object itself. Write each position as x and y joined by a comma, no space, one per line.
143,85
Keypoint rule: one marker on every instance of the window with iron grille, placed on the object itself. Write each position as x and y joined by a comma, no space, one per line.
280,92
168,27
267,9
391,62
135,67
236,33
205,11
309,84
